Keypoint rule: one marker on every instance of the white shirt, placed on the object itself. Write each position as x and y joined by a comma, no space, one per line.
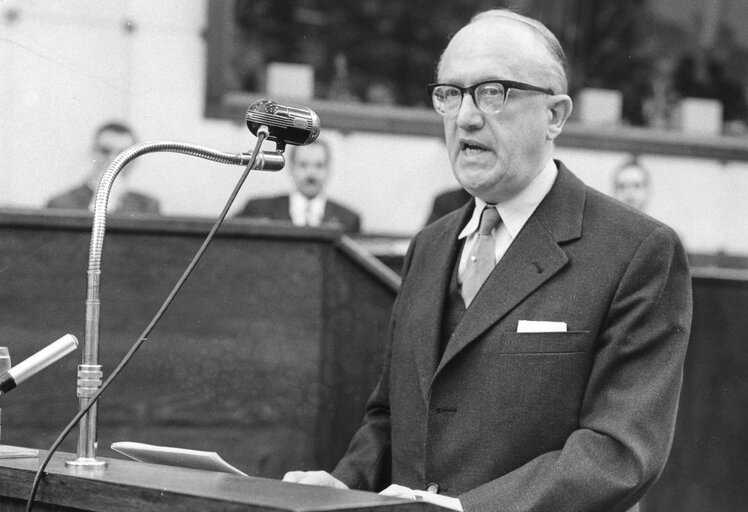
514,214
306,212
117,192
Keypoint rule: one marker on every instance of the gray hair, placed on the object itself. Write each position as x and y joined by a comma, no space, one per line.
549,40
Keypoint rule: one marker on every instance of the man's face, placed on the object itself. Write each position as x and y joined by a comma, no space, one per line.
310,170
495,156
108,145
631,186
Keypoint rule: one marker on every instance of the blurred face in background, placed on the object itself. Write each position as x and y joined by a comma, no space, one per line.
496,155
310,169
109,144
631,185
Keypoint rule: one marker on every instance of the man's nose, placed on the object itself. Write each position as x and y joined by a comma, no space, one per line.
469,116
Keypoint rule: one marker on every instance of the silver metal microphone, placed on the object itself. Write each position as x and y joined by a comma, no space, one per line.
287,125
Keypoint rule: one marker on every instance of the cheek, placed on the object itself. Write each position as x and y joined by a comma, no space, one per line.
452,150
524,141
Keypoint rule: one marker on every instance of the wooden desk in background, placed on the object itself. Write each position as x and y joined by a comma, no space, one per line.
266,356
270,351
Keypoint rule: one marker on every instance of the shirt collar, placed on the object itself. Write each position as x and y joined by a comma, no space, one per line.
299,207
515,211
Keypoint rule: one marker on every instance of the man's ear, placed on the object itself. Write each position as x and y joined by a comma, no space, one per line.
559,110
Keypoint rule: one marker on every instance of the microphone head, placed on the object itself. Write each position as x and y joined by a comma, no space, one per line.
286,124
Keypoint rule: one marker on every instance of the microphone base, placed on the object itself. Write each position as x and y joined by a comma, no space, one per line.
86,462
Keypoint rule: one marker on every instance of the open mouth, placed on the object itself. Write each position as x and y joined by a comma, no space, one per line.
472,148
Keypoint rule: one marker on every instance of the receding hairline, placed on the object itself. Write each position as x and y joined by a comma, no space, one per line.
542,33
631,165
118,127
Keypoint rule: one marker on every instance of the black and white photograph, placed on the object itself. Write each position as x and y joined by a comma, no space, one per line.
396,256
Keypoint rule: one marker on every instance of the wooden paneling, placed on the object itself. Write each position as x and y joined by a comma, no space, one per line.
272,347
266,355
709,461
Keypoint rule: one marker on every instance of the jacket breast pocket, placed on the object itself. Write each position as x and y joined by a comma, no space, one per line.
546,342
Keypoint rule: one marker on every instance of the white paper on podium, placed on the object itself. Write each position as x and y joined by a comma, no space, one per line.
16,452
169,456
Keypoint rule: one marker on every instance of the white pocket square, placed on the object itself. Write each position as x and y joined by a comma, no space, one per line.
540,326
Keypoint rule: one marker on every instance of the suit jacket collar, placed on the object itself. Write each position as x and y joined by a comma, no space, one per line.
532,259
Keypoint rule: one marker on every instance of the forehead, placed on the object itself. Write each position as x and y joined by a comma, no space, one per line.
311,153
632,173
493,48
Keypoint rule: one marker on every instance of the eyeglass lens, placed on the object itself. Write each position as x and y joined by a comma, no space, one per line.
488,97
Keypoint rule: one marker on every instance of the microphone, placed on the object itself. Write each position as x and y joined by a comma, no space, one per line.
287,125
37,362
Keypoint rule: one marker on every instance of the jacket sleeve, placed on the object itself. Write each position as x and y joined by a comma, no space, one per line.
367,463
628,411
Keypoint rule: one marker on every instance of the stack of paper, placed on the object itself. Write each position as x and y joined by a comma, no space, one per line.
181,457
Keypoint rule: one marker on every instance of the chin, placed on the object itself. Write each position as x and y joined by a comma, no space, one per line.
472,181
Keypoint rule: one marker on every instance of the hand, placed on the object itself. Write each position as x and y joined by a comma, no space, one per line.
321,478
399,491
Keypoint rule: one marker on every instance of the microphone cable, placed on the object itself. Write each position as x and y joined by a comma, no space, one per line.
261,136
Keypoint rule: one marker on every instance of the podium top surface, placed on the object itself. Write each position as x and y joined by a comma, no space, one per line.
130,485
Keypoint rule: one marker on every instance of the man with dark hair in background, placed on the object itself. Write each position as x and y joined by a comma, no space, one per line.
631,184
448,201
536,346
110,139
307,204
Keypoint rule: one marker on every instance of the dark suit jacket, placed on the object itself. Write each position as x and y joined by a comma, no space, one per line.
80,197
336,215
575,421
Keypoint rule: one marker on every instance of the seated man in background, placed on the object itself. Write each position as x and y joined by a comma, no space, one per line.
307,204
448,201
631,184
110,140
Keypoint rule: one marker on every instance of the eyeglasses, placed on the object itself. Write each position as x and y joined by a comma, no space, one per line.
489,96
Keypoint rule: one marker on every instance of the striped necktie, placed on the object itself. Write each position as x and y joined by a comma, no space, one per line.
482,258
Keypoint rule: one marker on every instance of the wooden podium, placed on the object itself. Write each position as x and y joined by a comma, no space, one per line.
126,485
266,356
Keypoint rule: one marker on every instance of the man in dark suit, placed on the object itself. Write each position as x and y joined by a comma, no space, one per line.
448,201
554,386
631,184
109,141
307,204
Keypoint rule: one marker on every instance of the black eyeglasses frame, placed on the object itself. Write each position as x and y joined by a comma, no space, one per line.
506,84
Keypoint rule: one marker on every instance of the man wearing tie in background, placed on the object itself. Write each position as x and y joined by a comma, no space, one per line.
307,204
631,184
554,384
109,141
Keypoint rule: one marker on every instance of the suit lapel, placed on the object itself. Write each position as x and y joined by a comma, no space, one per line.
433,286
533,258
513,279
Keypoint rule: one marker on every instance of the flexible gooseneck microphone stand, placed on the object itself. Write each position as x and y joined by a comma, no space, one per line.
90,371
267,120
